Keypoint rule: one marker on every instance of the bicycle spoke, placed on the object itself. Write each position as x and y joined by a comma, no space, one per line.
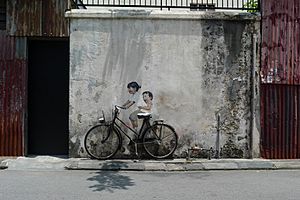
152,142
154,134
101,143
167,136
160,141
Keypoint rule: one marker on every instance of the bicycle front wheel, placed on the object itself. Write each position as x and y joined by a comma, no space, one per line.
160,140
102,142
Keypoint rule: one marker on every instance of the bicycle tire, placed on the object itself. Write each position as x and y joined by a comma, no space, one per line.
160,141
99,145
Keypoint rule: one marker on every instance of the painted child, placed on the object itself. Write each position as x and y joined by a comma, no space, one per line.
147,97
133,88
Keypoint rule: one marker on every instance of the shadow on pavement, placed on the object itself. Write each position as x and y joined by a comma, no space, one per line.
110,179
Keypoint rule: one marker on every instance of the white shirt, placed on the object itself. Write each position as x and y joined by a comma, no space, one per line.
134,98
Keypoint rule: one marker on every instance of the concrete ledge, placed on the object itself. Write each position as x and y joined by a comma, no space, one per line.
220,166
286,164
155,166
158,14
36,163
255,165
175,167
112,165
54,163
172,165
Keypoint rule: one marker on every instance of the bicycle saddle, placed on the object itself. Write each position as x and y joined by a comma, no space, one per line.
143,115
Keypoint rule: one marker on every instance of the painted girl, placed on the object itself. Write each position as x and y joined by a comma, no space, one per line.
133,88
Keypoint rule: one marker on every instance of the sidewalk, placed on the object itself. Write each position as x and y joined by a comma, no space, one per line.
57,163
2,159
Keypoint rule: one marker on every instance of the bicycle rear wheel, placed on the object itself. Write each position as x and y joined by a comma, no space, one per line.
160,140
102,142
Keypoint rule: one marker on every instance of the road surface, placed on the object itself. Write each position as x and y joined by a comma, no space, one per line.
208,185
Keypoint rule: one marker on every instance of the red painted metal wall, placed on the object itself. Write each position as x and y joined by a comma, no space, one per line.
281,42
37,18
280,77
25,18
13,66
280,121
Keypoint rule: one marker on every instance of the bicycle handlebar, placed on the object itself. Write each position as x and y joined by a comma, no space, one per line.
119,107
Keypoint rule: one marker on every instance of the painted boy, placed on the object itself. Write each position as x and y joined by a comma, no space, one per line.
147,97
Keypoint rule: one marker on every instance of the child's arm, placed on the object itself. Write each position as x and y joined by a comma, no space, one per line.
147,107
128,104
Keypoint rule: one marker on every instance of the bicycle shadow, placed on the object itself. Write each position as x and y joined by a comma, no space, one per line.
108,180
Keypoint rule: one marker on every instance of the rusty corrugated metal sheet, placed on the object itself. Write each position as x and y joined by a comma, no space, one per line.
24,17
12,47
37,18
13,67
280,75
280,121
54,21
280,41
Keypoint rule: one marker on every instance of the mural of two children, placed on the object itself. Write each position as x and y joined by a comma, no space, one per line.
133,88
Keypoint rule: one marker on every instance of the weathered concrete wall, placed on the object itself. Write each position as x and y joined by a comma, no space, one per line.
197,65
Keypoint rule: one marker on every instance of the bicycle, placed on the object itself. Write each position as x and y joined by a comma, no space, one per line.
103,140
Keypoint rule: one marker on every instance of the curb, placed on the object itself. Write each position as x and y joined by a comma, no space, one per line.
290,164
169,166
54,163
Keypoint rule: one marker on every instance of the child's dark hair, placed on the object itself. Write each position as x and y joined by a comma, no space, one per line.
134,85
149,94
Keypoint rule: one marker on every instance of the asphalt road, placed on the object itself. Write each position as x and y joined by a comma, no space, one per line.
90,185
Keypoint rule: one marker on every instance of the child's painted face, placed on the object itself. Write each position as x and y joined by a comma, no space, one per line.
146,97
131,90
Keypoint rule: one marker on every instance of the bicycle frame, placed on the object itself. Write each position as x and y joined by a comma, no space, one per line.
114,124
